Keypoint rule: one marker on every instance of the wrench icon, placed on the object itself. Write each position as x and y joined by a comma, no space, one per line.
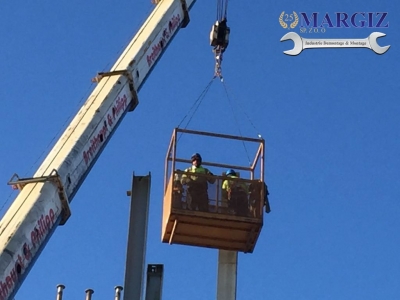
301,43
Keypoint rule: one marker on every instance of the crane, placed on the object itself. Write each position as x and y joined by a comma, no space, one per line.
43,201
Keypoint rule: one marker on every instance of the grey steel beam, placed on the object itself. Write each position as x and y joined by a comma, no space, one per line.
154,282
227,275
137,237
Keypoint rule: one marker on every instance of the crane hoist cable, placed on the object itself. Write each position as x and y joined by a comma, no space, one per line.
192,111
219,36
196,105
235,117
222,9
241,108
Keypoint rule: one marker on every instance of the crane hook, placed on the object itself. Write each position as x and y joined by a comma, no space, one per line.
219,39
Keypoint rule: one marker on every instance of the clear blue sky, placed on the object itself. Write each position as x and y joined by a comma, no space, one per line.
330,118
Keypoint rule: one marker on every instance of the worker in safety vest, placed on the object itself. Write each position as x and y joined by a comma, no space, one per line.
235,192
197,185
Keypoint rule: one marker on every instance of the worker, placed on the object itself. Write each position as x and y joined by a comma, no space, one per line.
266,200
197,185
255,191
235,192
177,191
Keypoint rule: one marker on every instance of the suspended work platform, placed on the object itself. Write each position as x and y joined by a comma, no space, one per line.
227,222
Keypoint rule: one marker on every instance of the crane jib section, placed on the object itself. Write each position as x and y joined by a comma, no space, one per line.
38,209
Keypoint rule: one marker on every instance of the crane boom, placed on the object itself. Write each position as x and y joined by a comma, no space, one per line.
43,202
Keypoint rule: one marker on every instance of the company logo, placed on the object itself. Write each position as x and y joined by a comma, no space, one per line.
305,43
292,18
316,22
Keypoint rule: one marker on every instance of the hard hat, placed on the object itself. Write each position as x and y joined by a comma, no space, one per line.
196,156
230,172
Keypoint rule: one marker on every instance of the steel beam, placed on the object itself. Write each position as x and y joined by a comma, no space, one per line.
137,237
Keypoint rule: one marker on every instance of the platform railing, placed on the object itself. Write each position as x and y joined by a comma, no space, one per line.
245,200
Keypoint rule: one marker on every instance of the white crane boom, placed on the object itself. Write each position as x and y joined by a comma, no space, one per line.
43,202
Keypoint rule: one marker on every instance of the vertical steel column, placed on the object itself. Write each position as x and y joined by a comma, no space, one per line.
60,290
89,293
118,290
227,272
137,236
154,282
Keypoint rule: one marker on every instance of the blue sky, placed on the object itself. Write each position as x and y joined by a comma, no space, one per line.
330,118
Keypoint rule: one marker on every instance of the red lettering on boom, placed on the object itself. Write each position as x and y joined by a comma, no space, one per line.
95,142
119,106
167,33
39,232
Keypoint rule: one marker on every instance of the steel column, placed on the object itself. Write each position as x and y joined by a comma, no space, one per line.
137,237
227,273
